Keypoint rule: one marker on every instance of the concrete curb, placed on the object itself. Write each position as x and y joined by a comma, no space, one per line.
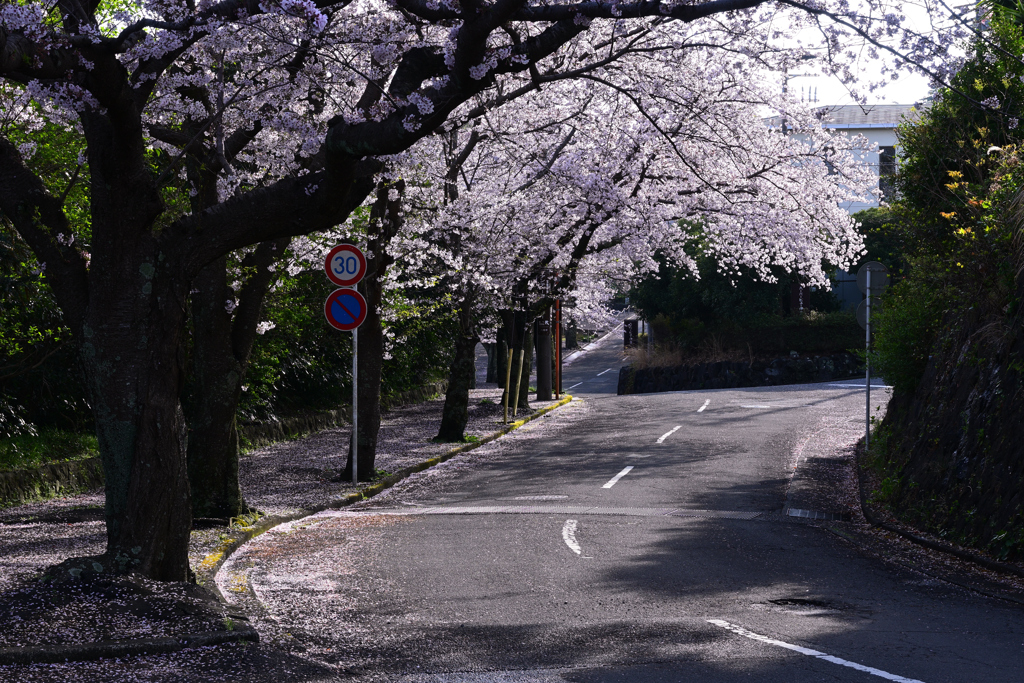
211,564
108,649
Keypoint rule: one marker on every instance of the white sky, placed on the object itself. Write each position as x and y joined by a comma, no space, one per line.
910,87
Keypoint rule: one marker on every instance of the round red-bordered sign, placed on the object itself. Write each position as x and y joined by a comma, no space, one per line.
345,265
345,309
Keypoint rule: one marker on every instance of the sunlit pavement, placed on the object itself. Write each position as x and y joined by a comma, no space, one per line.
636,538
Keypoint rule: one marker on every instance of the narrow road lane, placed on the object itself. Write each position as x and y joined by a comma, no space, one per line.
634,538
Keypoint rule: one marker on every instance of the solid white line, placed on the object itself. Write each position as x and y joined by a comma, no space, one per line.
601,373
620,475
668,434
706,404
576,385
569,536
739,630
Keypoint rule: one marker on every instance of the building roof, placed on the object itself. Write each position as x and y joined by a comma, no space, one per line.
846,116
868,116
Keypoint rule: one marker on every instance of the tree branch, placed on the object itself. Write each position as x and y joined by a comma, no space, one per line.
39,219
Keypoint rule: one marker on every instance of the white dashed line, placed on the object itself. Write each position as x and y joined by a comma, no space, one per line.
601,373
755,406
576,385
739,630
620,475
706,404
668,434
569,536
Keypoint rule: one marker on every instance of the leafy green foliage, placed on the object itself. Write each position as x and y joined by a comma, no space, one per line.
40,381
957,182
748,314
947,157
883,240
905,329
303,364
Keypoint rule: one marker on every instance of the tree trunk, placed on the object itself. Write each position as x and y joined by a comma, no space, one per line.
134,381
385,222
544,360
211,399
371,366
221,344
455,415
523,407
492,362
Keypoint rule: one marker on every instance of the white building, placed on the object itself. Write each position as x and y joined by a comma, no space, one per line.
877,123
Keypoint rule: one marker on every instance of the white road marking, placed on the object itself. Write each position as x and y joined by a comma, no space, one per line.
739,630
756,406
620,475
861,386
706,404
576,385
569,536
601,373
668,434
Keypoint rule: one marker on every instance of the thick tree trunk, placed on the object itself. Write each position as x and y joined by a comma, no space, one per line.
215,385
570,336
455,415
544,360
371,365
506,343
133,373
385,222
221,345
501,348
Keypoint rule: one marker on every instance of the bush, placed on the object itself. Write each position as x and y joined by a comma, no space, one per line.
905,330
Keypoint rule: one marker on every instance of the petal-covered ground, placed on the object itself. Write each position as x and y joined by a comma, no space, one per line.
284,478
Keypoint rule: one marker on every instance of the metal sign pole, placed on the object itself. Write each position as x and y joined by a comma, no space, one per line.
355,405
558,348
867,366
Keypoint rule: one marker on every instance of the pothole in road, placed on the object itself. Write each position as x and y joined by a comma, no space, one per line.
805,606
799,602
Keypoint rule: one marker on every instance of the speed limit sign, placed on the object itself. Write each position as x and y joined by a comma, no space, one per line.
345,265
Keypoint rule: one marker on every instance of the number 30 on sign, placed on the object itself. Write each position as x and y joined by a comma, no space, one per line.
345,265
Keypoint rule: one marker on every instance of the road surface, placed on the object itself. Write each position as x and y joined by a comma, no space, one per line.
660,537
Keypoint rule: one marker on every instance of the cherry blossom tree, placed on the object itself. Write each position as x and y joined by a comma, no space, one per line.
598,175
250,82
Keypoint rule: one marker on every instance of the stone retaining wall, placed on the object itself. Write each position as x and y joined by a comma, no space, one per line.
56,479
76,476
726,375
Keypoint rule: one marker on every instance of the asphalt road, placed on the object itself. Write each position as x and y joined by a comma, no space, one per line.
635,538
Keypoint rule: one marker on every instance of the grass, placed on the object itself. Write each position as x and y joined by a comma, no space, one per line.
49,446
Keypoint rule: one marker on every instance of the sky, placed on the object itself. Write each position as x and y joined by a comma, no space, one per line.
909,88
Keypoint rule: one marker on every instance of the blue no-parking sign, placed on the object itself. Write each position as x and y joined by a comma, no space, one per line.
345,309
